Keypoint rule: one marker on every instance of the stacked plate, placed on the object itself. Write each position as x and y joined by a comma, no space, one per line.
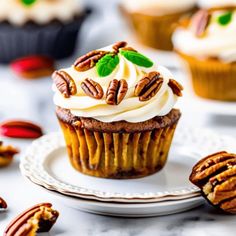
169,191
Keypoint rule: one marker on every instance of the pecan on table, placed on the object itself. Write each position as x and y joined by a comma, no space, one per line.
89,60
116,91
92,88
3,204
64,83
176,87
148,86
215,175
6,155
39,218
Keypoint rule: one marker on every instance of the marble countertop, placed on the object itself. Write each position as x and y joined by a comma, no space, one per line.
33,100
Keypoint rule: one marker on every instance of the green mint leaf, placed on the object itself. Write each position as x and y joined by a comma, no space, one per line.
137,58
225,18
107,64
28,2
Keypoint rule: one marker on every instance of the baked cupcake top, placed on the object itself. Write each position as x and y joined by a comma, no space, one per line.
116,83
210,34
158,7
19,12
209,4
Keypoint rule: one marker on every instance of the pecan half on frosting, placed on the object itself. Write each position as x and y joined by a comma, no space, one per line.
89,60
6,154
64,83
148,86
39,218
116,91
176,87
200,22
117,46
92,88
215,175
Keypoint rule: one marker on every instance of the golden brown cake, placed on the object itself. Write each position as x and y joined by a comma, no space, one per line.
115,108
207,46
215,175
154,21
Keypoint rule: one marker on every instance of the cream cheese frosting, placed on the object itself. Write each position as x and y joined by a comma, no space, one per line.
41,12
218,41
158,7
216,3
130,109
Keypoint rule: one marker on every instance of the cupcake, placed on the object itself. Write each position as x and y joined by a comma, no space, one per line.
115,108
155,20
208,46
42,27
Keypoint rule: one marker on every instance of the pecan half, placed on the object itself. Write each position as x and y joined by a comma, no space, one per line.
64,83
129,49
20,129
215,175
39,218
176,87
118,45
148,86
92,88
200,21
6,155
116,91
3,204
88,60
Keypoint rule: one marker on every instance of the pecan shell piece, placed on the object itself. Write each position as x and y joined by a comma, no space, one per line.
200,22
3,204
215,175
92,88
148,86
116,47
64,83
39,218
89,60
116,91
176,87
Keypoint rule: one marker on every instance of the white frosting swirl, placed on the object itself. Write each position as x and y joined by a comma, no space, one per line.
130,109
207,4
158,7
41,12
219,40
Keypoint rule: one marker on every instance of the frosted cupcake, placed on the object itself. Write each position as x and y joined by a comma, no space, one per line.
43,27
208,46
155,20
115,108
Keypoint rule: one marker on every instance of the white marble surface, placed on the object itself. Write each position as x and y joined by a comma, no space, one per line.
33,100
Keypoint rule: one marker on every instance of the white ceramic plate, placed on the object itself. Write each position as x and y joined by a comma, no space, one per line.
46,163
126,209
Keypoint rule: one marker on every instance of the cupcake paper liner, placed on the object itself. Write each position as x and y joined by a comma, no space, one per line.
117,155
55,39
212,78
155,31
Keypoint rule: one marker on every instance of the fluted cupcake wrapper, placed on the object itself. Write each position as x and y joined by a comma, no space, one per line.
117,155
155,31
212,78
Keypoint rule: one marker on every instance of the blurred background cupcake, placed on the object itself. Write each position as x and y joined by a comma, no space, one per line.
45,27
208,46
155,20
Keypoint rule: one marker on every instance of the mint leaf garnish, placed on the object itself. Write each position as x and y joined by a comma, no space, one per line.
137,58
225,18
28,2
107,64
